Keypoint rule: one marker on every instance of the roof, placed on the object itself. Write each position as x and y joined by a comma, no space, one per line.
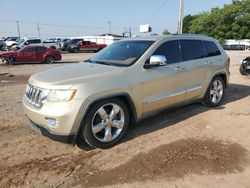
162,37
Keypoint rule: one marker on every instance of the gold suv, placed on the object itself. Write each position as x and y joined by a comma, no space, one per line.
98,99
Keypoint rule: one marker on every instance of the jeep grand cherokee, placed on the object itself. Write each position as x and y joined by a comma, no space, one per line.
98,99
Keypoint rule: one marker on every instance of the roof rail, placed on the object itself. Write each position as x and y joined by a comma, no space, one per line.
188,34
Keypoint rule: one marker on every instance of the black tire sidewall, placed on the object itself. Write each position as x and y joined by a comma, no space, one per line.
208,102
86,132
242,70
49,57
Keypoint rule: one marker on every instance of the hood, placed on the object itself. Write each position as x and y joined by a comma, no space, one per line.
69,75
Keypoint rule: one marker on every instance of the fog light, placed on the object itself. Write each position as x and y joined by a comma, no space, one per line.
51,122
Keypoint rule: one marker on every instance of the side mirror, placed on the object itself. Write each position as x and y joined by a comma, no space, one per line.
156,61
26,43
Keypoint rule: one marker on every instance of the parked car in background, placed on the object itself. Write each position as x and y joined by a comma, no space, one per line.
22,42
245,66
10,41
31,54
51,44
96,101
71,43
86,46
2,45
64,43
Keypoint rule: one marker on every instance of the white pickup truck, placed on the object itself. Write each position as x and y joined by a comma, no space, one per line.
20,43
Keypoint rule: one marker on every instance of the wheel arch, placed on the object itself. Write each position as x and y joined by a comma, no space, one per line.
126,98
223,76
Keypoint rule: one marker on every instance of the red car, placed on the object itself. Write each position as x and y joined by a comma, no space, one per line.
31,54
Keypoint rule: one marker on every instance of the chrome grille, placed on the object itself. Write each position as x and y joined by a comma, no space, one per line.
35,95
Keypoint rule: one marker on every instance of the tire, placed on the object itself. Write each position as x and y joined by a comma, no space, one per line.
49,59
107,134
10,61
242,70
215,93
75,50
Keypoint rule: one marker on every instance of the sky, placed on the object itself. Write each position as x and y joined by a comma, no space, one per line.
90,17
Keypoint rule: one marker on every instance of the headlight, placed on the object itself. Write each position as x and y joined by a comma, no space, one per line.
61,95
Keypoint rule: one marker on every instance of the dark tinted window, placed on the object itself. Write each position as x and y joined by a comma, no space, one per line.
170,50
29,49
191,49
34,41
74,41
40,49
211,49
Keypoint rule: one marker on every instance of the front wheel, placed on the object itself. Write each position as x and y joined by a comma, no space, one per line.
215,93
106,123
10,61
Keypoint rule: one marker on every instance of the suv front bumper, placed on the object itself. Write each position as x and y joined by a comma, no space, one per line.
58,121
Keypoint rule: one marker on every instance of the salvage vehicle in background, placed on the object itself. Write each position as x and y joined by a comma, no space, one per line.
22,42
86,46
31,54
245,66
97,100
51,44
68,45
10,41
2,45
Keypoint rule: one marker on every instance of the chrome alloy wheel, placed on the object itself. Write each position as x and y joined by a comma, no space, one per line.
216,91
108,122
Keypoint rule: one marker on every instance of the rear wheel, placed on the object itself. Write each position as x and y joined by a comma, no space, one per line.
106,123
75,50
49,59
242,70
215,93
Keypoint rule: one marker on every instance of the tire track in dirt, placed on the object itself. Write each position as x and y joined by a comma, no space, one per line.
176,160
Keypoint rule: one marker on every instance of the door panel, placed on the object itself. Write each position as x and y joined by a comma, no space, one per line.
26,57
163,87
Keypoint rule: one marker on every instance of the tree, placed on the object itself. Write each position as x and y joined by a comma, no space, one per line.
166,32
230,22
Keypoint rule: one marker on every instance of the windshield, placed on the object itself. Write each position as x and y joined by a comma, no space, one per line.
122,53
20,41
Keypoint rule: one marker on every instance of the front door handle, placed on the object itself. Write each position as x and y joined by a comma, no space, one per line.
179,69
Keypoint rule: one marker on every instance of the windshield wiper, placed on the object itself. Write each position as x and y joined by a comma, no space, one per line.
98,62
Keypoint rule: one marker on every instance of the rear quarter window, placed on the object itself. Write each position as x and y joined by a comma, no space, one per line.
211,49
191,49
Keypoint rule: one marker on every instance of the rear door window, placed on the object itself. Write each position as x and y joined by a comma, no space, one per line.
191,49
170,50
34,41
40,49
210,49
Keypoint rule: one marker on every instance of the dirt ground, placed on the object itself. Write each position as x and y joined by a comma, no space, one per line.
192,146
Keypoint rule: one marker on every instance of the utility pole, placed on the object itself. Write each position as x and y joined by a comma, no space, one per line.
180,28
110,29
38,28
18,29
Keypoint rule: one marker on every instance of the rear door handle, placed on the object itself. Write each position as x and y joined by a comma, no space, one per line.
208,63
179,69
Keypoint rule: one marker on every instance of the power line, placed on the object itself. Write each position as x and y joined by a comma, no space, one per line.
157,11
